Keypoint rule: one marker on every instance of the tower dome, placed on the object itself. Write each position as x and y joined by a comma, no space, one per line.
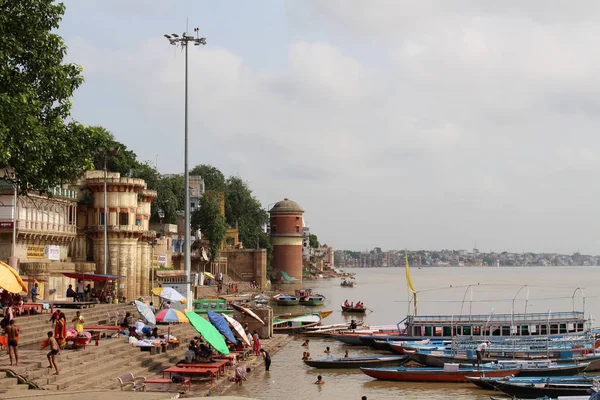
286,205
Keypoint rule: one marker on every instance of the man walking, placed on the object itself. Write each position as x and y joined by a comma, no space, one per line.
54,350
34,293
12,334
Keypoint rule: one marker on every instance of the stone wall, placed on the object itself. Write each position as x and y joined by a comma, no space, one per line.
247,265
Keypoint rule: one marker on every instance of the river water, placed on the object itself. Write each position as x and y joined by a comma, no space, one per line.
441,290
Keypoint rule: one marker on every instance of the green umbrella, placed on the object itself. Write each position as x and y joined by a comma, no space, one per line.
208,332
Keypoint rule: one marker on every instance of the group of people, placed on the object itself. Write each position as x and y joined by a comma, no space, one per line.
359,304
198,351
83,293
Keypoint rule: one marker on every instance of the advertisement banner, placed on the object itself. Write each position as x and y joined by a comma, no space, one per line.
36,251
53,252
162,260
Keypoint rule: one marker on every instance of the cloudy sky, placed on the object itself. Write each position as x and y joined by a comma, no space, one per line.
398,124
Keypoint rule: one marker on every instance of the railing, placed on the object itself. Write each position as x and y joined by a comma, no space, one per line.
496,319
49,227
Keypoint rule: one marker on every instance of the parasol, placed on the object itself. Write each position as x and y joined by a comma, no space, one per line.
10,279
145,312
238,328
168,293
222,326
208,332
171,315
248,311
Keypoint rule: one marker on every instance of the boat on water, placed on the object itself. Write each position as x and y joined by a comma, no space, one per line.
323,314
348,282
488,383
450,373
551,390
287,300
355,362
216,304
353,309
290,325
308,298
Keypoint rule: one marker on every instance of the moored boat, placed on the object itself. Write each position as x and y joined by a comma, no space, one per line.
356,362
323,314
288,325
216,304
351,282
488,383
287,300
450,373
552,390
313,300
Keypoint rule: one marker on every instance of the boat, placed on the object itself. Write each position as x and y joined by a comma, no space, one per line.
488,383
348,282
356,362
290,325
450,373
313,300
216,304
544,389
352,309
287,300
323,314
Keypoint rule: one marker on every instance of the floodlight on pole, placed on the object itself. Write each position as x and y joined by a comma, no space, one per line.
184,41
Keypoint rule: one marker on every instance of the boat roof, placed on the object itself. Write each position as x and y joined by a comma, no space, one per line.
498,319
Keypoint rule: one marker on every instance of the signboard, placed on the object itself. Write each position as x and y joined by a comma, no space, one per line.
162,260
155,261
36,251
53,252
6,224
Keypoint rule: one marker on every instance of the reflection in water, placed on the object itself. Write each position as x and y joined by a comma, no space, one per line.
383,290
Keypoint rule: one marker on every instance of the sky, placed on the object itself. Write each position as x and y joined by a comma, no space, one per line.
394,124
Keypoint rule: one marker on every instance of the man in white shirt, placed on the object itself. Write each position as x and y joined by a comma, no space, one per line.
480,351
80,290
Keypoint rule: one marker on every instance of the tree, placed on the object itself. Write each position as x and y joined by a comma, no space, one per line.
118,158
313,240
243,210
213,177
39,150
170,198
209,219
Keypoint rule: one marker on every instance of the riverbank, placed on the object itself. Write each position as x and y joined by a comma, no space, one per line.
223,386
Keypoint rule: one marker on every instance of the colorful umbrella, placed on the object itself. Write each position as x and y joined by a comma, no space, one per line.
169,293
211,276
145,312
222,326
238,328
170,315
208,332
10,279
248,311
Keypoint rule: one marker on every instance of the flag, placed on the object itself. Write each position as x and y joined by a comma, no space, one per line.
409,283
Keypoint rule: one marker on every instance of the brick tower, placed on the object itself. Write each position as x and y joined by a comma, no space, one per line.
286,235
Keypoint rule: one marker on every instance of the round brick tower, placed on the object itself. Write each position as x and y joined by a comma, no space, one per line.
286,235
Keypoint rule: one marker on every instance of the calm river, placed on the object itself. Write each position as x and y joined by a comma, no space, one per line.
441,290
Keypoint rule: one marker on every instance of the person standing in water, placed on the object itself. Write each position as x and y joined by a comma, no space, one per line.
267,358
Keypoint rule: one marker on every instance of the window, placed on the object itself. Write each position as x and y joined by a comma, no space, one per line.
193,205
297,218
138,222
124,218
297,229
102,218
273,229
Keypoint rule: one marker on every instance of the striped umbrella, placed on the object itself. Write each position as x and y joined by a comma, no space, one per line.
170,315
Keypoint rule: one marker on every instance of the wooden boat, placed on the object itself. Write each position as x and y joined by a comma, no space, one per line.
287,300
487,383
313,300
450,373
546,389
359,310
348,282
323,314
289,325
356,362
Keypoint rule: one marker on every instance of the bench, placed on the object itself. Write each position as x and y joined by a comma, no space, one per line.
164,385
128,382
217,364
211,372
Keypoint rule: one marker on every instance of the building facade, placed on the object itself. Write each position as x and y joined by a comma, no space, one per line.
285,228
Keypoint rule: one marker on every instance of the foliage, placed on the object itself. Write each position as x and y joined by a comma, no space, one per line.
213,177
38,146
170,198
209,219
118,158
313,240
244,210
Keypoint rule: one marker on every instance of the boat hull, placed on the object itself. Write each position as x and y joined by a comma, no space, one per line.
356,362
433,375
533,391
288,302
353,310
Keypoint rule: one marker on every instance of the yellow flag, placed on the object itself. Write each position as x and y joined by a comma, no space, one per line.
408,280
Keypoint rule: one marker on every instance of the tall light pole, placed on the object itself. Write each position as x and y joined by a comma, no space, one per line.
113,151
184,41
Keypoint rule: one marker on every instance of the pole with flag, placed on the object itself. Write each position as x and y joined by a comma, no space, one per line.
409,282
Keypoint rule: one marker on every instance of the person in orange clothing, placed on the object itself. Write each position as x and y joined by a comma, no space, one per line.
54,350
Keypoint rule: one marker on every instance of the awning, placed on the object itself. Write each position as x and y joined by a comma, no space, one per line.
92,277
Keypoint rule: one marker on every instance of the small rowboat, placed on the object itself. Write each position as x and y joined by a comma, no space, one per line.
323,314
288,325
359,310
446,374
356,362
313,300
348,283
287,300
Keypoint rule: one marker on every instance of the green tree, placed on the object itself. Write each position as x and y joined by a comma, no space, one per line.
170,198
213,177
209,219
313,240
39,149
243,210
118,157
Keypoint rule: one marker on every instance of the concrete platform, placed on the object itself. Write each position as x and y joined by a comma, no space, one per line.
87,395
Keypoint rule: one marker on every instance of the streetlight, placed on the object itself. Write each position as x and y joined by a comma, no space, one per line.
152,243
184,41
113,151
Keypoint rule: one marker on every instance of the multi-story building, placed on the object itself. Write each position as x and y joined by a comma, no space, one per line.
306,249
